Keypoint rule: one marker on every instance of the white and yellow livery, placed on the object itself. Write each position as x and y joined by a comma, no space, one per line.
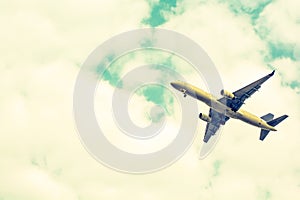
229,107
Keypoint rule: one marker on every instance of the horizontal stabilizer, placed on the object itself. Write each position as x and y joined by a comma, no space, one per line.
274,122
267,117
263,134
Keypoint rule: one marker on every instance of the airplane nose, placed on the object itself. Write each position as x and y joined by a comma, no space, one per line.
174,85
177,85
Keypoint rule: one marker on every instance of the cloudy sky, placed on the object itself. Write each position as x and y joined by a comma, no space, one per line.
43,45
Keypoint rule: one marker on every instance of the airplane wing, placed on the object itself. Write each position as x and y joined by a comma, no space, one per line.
216,120
244,93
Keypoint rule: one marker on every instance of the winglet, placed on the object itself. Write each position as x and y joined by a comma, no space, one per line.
272,73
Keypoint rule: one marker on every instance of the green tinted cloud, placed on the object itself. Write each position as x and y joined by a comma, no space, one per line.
157,10
281,50
109,72
217,165
159,95
251,8
111,67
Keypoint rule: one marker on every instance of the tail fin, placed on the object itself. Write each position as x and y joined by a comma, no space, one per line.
274,122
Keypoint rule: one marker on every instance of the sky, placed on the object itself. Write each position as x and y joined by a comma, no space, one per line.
45,43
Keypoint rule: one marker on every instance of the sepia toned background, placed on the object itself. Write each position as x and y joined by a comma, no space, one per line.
44,43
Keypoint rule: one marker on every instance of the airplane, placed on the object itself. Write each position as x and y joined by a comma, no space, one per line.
221,110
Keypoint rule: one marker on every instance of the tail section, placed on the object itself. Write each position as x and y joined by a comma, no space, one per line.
274,122
263,134
267,117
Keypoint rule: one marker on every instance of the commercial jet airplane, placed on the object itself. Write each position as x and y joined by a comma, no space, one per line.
228,107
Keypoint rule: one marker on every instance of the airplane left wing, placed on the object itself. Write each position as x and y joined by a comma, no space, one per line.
244,93
212,127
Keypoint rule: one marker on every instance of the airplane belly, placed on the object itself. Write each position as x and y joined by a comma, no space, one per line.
200,95
250,118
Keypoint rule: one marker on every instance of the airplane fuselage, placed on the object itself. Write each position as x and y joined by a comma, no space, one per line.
213,103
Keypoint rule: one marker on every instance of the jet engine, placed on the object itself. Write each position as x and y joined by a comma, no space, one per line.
227,94
204,117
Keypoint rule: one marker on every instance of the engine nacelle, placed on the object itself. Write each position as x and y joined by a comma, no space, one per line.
204,117
227,94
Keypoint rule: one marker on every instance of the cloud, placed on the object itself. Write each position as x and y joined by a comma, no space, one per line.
289,70
160,12
42,46
247,7
277,29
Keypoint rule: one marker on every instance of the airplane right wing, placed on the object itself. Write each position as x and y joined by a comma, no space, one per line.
212,127
244,93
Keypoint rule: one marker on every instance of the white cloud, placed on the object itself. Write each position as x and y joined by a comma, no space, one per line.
228,40
289,70
33,183
41,44
282,19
